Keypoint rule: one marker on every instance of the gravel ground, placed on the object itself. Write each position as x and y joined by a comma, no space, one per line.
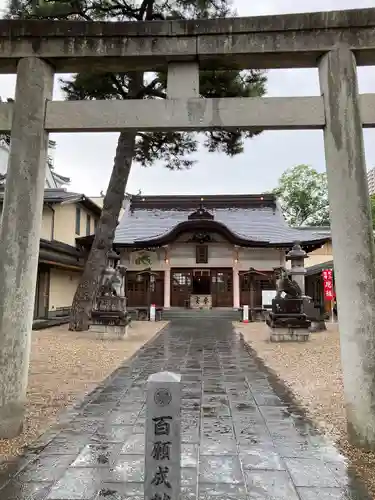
312,371
65,365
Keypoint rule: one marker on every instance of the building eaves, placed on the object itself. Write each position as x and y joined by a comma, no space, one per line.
55,253
61,247
64,197
318,268
61,196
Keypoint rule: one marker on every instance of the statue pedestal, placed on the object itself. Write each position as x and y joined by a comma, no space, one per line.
289,335
109,332
109,319
318,326
288,321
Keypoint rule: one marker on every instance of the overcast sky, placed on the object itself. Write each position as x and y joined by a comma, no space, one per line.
87,158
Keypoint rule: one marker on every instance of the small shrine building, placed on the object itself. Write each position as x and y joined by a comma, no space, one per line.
196,251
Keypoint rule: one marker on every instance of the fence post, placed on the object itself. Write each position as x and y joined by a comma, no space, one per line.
245,314
152,312
163,437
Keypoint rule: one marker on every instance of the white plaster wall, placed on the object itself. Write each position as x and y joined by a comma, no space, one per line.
314,260
47,224
65,223
63,285
128,259
262,259
318,256
220,254
184,255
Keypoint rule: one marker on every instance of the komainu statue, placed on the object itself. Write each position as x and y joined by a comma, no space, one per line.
285,284
109,314
111,283
287,318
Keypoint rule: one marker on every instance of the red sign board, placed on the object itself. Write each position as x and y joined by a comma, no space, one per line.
329,292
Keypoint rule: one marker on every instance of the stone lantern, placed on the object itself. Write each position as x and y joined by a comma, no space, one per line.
113,258
297,258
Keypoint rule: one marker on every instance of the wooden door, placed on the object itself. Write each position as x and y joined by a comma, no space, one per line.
181,284
143,290
136,290
254,298
262,283
157,289
247,296
222,287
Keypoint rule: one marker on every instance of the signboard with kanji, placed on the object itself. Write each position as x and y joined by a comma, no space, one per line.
329,293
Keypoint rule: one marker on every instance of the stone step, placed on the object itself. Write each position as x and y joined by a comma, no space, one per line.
41,324
229,314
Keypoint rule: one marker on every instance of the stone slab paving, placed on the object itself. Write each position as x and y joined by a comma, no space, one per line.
241,438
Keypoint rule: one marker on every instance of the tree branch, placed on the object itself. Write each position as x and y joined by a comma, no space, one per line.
61,10
149,11
115,9
118,86
148,88
146,10
155,93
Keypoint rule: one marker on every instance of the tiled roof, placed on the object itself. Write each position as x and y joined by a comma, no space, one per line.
53,195
318,268
260,221
60,195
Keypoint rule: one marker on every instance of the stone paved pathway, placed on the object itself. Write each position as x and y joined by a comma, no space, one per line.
241,441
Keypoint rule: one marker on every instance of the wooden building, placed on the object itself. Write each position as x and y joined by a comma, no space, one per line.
196,251
314,283
66,216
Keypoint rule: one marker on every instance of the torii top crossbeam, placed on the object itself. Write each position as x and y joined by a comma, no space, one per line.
279,41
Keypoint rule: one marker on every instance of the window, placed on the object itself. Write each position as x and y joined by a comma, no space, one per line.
88,225
95,224
201,254
181,279
78,221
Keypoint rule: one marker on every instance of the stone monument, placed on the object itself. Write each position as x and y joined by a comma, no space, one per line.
109,317
163,437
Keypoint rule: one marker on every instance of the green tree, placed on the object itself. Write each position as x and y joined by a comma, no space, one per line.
303,195
174,148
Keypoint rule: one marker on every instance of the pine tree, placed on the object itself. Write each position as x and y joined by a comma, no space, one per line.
173,148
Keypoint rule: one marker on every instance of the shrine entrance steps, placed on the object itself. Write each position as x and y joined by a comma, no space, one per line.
224,313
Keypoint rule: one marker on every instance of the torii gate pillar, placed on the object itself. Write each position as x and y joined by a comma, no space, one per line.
19,237
353,240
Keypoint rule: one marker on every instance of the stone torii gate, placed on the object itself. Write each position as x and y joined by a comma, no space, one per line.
335,42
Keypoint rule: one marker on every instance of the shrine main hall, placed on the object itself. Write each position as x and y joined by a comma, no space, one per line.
196,251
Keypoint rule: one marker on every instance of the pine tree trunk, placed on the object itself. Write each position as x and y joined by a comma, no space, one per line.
112,204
